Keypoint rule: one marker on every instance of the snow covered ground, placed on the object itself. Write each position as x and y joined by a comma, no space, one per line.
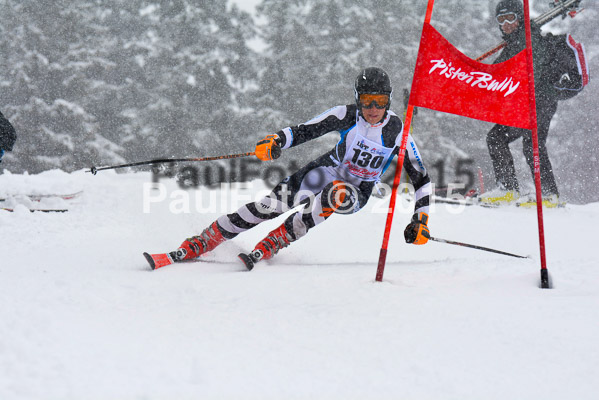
83,317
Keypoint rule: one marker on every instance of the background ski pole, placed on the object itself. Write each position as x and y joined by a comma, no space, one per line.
472,246
94,170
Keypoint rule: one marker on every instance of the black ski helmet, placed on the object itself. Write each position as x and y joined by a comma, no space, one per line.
510,6
373,80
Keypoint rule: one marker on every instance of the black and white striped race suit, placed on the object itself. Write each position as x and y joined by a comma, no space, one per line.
358,160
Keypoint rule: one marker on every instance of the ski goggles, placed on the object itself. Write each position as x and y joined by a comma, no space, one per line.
379,101
510,18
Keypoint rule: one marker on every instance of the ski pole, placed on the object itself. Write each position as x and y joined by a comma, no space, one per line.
94,170
472,246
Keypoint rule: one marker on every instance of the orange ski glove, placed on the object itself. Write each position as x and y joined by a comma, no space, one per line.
269,148
417,232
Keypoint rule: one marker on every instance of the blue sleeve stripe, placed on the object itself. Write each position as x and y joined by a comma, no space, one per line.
342,139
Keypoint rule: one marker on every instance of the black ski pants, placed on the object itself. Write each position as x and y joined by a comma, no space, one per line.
498,140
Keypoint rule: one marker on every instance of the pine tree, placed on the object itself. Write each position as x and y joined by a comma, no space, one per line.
101,82
46,58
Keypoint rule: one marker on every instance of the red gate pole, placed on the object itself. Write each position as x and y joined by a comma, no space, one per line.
400,159
545,284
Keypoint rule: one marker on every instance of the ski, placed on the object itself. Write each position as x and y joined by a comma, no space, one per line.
546,204
472,201
40,197
44,210
159,260
248,260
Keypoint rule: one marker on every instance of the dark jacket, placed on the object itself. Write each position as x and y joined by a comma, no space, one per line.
7,134
546,58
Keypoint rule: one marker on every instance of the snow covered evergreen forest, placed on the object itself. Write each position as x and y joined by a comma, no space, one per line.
88,83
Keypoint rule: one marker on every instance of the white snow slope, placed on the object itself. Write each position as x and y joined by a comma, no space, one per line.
83,317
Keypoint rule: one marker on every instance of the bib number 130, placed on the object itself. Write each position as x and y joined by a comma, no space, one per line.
365,159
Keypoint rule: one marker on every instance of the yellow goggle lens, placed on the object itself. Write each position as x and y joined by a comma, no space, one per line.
377,100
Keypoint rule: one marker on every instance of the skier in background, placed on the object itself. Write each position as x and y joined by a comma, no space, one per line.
341,180
557,77
8,136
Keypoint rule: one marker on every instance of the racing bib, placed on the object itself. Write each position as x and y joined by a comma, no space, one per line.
366,159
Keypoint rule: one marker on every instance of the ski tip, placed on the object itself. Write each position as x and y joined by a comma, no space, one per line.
158,260
246,260
150,260
44,210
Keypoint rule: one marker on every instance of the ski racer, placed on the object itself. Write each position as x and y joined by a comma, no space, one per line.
7,136
557,76
339,181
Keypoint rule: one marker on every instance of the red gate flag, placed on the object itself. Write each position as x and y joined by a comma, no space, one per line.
446,80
